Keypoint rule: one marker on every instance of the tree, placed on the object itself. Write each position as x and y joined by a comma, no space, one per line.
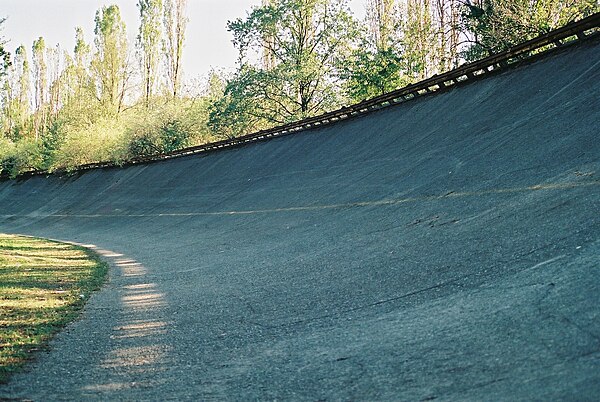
418,39
110,63
268,58
83,89
148,42
56,88
40,79
306,39
24,79
175,23
371,73
376,66
237,112
446,29
496,25
40,71
21,91
15,92
7,96
4,55
82,49
80,92
383,21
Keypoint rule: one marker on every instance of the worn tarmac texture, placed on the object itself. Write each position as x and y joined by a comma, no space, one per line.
447,248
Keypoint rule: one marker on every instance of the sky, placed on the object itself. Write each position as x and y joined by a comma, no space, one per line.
208,44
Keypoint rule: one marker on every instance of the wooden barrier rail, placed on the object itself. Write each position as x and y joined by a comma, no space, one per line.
571,33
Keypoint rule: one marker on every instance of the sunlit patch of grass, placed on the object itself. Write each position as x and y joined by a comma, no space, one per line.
43,286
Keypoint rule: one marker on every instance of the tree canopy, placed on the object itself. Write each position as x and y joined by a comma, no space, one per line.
110,100
495,25
288,56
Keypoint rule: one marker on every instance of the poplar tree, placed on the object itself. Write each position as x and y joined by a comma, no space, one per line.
83,85
148,44
56,89
6,96
418,39
175,24
383,22
4,55
7,92
40,72
110,62
23,87
22,64
40,79
446,27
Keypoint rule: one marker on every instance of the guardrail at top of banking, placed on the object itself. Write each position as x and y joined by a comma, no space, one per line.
571,33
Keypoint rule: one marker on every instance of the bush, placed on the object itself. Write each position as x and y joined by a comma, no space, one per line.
19,157
174,126
158,137
101,141
74,138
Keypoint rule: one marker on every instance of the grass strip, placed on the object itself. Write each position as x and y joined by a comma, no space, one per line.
43,286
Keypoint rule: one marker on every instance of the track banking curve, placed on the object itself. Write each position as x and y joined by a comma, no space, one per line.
443,248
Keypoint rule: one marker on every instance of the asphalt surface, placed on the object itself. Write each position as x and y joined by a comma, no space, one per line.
446,248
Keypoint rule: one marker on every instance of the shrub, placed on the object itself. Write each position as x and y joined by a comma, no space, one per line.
168,128
18,157
98,142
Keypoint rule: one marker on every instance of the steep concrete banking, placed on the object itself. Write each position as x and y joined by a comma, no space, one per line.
444,248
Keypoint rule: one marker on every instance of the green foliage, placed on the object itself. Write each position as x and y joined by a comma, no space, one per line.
377,65
157,135
6,151
4,55
110,64
40,70
167,136
174,23
419,43
371,73
237,111
297,42
496,25
148,42
21,156
52,140
86,135
165,129
297,58
103,140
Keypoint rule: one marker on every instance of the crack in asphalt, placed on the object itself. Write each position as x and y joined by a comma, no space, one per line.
370,305
400,297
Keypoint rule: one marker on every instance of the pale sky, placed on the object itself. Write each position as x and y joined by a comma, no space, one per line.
208,44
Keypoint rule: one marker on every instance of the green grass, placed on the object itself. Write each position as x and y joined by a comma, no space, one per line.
43,286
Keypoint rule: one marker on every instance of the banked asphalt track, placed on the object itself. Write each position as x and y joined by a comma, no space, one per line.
447,248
